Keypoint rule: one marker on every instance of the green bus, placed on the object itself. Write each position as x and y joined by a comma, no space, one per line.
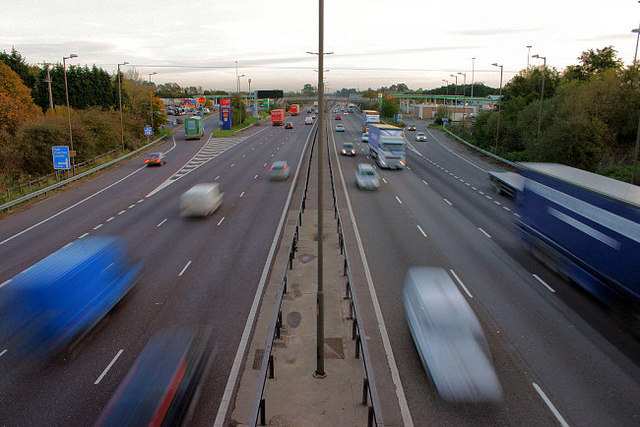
193,127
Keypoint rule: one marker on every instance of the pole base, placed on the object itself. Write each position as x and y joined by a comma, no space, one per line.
319,375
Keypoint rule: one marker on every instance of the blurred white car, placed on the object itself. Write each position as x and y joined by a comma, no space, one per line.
421,136
366,177
448,337
339,128
201,200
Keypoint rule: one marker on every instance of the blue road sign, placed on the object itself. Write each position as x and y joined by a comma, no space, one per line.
61,157
148,131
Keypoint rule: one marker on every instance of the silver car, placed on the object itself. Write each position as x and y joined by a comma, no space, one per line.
366,177
421,136
448,337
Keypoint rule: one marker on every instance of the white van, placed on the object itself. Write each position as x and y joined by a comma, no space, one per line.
201,200
308,120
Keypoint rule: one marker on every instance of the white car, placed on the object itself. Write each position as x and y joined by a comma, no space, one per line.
421,136
308,120
365,137
366,177
340,128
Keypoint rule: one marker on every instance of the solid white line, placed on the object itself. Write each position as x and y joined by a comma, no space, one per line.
97,226
220,222
69,208
450,204
484,232
108,367
84,235
185,268
239,358
422,231
242,194
398,199
553,409
391,361
5,282
455,276
163,221
3,352
535,276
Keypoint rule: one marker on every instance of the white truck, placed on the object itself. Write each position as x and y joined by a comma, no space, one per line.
387,146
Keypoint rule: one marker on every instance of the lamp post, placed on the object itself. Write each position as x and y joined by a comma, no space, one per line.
544,68
464,101
637,31
66,91
151,104
239,77
120,104
445,100
319,372
455,95
495,64
472,74
528,53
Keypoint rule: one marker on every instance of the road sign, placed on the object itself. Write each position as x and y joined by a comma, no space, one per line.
148,131
61,157
202,100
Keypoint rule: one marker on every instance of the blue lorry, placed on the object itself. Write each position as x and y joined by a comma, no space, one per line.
387,146
585,226
59,299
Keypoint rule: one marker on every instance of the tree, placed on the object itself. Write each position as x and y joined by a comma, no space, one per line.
17,63
389,107
16,104
309,90
238,109
594,62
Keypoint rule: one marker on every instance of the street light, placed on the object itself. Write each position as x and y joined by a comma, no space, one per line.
120,103
455,95
66,91
472,74
544,68
464,101
239,77
495,64
151,104
637,31
528,53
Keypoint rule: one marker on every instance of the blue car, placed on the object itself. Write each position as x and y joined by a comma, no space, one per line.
161,386
62,297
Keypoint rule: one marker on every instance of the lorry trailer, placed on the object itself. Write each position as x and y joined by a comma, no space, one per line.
277,117
387,146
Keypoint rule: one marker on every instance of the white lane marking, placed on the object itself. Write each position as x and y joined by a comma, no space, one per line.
454,153
163,221
255,177
484,232
121,212
233,164
488,197
3,352
553,409
98,226
384,180
391,361
141,200
450,204
69,208
242,194
398,199
425,182
497,203
184,269
422,231
109,366
455,276
217,178
111,219
220,222
265,165
543,283
5,282
84,235
506,208
132,206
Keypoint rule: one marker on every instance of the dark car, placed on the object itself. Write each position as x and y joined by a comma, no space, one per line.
279,170
348,149
155,159
338,117
411,127
288,125
159,388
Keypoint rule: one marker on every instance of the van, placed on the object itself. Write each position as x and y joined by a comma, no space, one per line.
308,120
58,300
449,337
201,200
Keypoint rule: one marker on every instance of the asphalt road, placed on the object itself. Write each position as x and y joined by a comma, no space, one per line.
197,273
553,365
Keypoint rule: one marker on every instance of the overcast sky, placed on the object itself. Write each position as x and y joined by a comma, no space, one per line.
375,42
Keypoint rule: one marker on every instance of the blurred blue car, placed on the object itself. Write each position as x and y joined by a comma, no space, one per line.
448,337
62,297
161,386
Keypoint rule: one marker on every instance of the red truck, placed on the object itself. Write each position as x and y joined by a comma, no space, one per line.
277,117
293,109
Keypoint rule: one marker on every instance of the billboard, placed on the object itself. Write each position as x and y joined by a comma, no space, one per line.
225,114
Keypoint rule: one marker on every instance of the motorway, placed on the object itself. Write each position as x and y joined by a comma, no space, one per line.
554,366
197,273
560,357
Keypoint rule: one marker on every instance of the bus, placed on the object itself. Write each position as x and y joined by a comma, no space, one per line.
193,128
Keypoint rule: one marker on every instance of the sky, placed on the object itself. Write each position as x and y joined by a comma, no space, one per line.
375,43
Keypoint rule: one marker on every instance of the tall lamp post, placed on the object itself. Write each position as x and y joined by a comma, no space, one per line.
445,100
473,70
635,151
120,104
637,31
66,91
151,103
319,372
464,100
239,77
495,64
528,53
455,95
544,69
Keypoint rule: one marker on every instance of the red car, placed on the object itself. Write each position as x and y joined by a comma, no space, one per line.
338,117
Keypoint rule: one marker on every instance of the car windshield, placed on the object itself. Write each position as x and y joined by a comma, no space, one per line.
393,145
152,155
347,146
367,172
